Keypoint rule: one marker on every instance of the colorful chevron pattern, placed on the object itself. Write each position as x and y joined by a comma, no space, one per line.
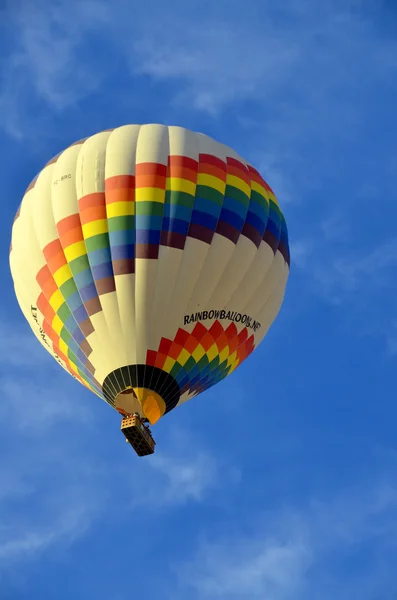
160,204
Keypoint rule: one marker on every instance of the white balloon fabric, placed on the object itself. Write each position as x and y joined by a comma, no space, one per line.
149,261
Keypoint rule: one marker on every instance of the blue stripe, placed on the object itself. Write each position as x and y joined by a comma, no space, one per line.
273,228
256,222
121,238
98,257
177,211
150,222
204,219
80,314
124,251
235,206
207,206
258,210
70,324
88,292
232,219
74,301
103,271
78,335
176,226
83,279
148,237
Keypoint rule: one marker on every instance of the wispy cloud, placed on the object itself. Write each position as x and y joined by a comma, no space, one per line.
48,62
305,553
183,471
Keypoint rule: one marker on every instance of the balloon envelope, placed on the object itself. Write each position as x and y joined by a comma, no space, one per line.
149,261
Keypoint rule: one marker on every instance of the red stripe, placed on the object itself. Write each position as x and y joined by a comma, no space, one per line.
182,161
240,173
91,200
67,224
256,176
119,181
151,168
209,159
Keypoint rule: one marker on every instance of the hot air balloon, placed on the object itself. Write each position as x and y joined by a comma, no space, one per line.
149,261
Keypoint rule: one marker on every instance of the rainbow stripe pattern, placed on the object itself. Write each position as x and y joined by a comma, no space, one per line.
128,217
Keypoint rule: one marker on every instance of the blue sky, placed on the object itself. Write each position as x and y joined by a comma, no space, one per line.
300,501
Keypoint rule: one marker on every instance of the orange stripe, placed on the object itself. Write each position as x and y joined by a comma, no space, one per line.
68,223
150,180
208,169
71,237
94,199
120,195
45,308
255,176
183,173
237,172
48,330
93,213
56,262
52,249
43,276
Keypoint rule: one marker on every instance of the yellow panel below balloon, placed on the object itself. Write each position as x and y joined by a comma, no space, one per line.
153,405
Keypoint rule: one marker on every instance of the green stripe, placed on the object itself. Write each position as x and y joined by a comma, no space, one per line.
124,223
181,198
237,194
77,265
68,288
209,193
154,209
66,337
96,242
259,199
64,312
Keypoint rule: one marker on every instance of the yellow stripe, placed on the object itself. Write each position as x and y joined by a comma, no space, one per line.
63,347
120,209
257,187
211,181
75,251
74,368
95,228
176,184
57,325
224,354
149,194
231,359
169,363
183,357
198,353
56,300
212,352
238,183
62,275
233,367
273,197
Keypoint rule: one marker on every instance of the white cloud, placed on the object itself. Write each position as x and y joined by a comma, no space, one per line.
296,553
351,273
181,472
47,57
19,347
301,251
218,62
